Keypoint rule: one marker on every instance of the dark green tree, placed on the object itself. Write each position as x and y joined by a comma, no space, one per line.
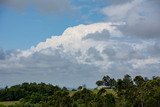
106,80
139,80
99,83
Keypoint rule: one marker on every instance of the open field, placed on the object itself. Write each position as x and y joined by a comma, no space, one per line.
7,103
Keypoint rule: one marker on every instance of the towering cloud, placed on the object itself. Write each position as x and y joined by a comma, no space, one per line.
81,55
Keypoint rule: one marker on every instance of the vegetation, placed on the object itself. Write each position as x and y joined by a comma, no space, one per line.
125,92
8,103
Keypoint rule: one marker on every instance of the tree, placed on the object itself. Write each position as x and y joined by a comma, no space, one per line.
106,80
112,83
61,99
65,89
127,81
146,79
83,97
80,88
120,85
110,100
155,77
99,83
101,91
139,80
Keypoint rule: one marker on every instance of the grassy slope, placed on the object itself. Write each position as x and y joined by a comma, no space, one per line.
108,91
96,91
7,103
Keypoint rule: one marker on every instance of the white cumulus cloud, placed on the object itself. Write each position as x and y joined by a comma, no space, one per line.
81,55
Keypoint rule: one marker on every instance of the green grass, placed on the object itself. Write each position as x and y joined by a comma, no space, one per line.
112,92
107,90
71,93
7,103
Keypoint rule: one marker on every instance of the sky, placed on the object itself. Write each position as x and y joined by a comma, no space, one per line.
75,42
27,22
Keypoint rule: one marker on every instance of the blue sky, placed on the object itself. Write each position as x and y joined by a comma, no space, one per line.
75,42
29,26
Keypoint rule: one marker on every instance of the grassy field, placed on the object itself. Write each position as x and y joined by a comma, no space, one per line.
112,92
107,90
71,93
7,103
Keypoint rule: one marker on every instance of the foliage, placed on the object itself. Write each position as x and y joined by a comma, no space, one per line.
26,90
107,81
137,92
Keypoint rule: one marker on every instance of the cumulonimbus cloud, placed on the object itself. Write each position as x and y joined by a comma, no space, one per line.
70,60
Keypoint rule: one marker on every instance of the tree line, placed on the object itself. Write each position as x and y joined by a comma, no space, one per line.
136,92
